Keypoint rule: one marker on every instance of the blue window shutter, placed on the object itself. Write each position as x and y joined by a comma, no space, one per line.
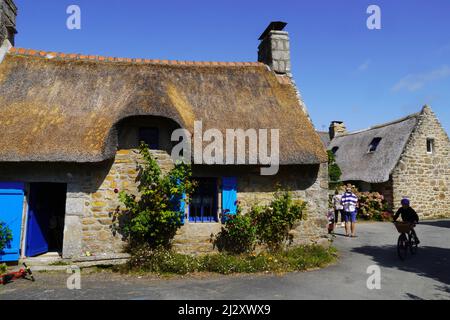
229,196
11,208
183,207
179,203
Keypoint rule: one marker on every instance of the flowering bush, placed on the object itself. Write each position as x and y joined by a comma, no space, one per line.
372,206
5,235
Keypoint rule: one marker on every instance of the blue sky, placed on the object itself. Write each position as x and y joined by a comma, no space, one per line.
344,70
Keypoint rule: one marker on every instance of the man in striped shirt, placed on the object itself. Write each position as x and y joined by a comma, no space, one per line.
350,202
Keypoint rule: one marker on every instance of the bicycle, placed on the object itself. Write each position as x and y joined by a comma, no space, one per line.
406,240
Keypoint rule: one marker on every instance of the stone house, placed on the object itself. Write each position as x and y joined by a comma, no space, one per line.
408,157
71,123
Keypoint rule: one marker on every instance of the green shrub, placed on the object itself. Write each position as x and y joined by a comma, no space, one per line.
154,216
238,235
269,225
274,222
3,268
5,235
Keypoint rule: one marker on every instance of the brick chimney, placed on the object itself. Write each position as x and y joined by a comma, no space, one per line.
274,49
8,13
337,128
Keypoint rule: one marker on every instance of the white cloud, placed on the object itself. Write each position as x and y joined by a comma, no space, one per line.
364,66
414,82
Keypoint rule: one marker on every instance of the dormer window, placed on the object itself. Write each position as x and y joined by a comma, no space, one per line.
374,145
430,146
150,136
334,149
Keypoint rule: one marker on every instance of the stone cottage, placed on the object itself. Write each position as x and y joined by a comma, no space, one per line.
409,157
70,125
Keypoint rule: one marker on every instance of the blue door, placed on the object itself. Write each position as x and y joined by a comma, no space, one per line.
11,207
37,227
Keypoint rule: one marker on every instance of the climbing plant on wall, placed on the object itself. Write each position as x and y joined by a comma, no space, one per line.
154,215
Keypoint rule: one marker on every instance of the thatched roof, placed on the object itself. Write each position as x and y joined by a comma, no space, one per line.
357,164
57,107
324,137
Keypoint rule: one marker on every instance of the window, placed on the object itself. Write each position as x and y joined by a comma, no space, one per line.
203,204
430,145
150,136
374,144
334,150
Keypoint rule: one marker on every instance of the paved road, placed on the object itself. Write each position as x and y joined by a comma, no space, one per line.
424,276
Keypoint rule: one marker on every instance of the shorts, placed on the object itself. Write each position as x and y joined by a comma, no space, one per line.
350,216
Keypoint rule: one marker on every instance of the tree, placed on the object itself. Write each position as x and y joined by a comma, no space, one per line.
334,172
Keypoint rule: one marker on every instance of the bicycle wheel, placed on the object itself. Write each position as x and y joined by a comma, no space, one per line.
402,246
412,244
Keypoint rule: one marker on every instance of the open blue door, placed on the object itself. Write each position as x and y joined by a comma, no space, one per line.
37,227
11,207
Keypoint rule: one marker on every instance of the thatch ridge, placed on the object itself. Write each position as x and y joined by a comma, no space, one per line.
83,57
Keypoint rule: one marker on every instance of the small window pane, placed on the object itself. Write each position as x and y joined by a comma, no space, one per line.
430,145
374,144
150,136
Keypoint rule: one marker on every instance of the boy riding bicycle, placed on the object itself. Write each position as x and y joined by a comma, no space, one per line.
409,215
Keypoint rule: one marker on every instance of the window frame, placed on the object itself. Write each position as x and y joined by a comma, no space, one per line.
205,219
157,135
430,143
374,146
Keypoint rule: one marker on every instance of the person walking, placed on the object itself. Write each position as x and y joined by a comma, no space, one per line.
337,206
350,202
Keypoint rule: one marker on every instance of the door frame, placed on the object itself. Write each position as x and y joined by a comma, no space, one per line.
26,215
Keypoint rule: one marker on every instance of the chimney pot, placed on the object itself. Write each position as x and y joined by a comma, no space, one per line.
337,128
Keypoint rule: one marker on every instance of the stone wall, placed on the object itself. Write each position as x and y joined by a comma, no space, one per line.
308,183
422,177
91,199
98,237
8,12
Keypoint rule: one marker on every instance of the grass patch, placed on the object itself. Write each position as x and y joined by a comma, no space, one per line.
59,263
165,262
